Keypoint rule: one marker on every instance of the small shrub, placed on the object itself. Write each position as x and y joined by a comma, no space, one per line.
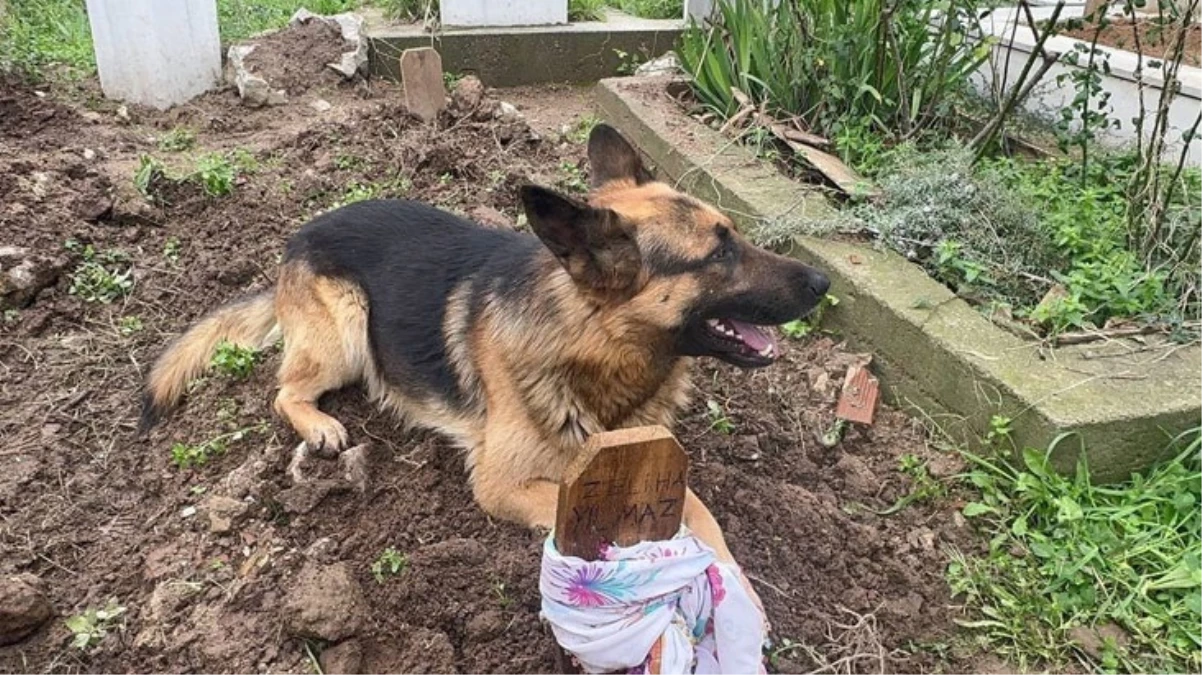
233,360
150,171
391,563
90,627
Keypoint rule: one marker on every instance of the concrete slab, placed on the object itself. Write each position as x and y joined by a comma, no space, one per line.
1120,400
509,57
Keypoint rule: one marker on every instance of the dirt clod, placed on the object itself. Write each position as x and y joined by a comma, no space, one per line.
344,658
24,273
326,603
467,94
24,607
223,513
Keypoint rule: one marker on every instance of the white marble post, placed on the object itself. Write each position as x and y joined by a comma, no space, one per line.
503,12
157,53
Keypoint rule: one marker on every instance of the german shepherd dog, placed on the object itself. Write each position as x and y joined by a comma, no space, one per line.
515,347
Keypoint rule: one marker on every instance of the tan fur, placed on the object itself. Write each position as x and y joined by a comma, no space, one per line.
248,324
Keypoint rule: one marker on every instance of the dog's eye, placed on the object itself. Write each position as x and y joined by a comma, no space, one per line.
720,254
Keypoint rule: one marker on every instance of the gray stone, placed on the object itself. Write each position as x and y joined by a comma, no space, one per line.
252,89
24,273
24,607
667,64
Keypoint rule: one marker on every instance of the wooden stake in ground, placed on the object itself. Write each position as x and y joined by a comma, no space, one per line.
627,486
421,75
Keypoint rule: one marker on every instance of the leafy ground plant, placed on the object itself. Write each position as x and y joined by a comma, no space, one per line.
188,456
391,563
234,360
90,627
101,276
1108,577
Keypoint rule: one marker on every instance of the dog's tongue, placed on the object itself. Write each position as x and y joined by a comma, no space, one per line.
753,336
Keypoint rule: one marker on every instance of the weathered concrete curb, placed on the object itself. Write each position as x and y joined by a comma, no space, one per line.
508,57
935,353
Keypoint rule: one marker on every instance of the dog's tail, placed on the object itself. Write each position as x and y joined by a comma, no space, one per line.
248,323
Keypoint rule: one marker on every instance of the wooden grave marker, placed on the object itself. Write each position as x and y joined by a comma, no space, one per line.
421,75
625,487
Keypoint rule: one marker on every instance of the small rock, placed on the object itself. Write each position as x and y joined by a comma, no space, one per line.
344,658
24,607
305,497
467,94
89,154
667,64
123,113
320,105
24,273
323,550
254,91
91,116
223,512
490,217
326,603
909,606
507,110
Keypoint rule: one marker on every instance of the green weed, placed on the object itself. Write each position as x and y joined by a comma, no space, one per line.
11,316
1068,557
652,9
187,456
178,139
90,627
718,420
409,10
573,178
128,325
391,563
101,276
171,250
355,192
216,173
924,485
233,360
149,171
582,129
799,328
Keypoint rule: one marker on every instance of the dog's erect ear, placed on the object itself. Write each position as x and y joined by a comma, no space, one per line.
611,158
592,244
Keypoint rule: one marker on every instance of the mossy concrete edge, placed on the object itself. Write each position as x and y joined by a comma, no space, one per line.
1121,401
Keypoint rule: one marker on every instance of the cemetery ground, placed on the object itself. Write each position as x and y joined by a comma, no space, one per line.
193,550
138,222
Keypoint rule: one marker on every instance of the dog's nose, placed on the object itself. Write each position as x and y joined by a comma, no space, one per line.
819,284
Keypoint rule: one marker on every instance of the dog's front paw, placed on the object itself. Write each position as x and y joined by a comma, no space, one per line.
328,438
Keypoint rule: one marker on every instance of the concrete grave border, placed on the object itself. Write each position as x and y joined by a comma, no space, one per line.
934,352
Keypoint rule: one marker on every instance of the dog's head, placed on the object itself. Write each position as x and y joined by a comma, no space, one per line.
669,264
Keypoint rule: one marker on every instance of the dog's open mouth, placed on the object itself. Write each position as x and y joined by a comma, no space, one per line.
755,344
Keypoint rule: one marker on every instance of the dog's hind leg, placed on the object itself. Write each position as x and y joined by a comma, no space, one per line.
324,325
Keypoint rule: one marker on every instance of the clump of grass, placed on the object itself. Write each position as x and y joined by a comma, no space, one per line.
149,172
90,627
586,10
172,249
390,563
234,360
583,127
652,9
1066,556
41,38
799,328
409,10
101,276
240,19
128,325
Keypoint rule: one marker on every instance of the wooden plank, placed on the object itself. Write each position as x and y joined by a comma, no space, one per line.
421,75
861,390
626,486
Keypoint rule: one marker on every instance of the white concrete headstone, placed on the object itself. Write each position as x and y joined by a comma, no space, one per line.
503,12
157,53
